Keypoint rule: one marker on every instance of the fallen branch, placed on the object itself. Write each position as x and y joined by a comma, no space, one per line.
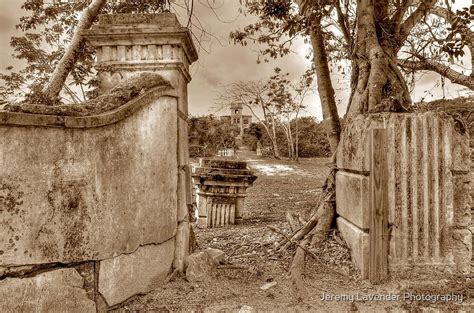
310,224
300,245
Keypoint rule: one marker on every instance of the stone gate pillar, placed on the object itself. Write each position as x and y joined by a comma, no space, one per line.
428,191
129,43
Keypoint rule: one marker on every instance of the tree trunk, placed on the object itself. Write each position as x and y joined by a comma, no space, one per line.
296,139
378,85
289,139
290,142
276,150
68,60
325,89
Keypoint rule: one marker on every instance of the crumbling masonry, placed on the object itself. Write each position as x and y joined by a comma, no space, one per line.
94,209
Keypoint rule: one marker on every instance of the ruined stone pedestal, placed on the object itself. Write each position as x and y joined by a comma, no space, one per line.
222,187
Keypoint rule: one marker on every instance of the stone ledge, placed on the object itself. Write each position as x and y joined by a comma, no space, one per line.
352,198
92,121
222,164
164,19
358,242
152,26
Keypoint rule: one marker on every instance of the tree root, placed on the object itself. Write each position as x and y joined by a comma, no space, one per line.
292,221
312,233
297,270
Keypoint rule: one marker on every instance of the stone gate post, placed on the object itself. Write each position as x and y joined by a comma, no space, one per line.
429,206
129,43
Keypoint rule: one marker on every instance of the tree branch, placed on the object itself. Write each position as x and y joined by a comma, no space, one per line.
67,62
400,13
342,20
413,19
449,16
445,71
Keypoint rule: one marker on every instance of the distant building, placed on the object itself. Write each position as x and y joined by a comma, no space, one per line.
236,117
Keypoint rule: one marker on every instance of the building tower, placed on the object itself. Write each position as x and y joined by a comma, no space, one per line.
236,117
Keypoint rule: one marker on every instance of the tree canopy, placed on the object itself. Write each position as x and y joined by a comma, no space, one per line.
374,39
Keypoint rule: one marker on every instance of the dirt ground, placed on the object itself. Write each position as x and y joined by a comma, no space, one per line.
289,186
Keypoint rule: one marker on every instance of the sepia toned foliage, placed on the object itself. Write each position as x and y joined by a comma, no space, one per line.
208,134
47,34
374,39
272,103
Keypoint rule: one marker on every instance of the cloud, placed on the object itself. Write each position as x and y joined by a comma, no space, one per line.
10,13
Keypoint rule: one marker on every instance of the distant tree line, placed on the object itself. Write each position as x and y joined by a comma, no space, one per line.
208,134
312,139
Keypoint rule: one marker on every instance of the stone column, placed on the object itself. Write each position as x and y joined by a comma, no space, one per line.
130,43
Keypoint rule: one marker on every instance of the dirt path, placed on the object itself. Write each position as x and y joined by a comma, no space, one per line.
283,186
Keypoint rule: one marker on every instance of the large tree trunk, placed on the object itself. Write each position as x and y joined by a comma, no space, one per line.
67,62
378,85
325,88
333,131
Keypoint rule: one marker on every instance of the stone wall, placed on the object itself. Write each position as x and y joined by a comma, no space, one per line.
88,205
428,190
94,206
129,43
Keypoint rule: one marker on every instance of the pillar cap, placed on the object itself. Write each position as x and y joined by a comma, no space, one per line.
141,28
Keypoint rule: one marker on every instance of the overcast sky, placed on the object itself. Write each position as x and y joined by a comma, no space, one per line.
223,62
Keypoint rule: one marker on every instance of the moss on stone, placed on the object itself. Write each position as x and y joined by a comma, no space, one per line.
461,109
124,92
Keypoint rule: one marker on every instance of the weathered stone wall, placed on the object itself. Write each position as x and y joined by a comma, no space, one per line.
129,43
88,205
428,189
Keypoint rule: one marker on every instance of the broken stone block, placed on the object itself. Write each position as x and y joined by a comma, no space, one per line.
138,272
217,255
201,267
55,291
